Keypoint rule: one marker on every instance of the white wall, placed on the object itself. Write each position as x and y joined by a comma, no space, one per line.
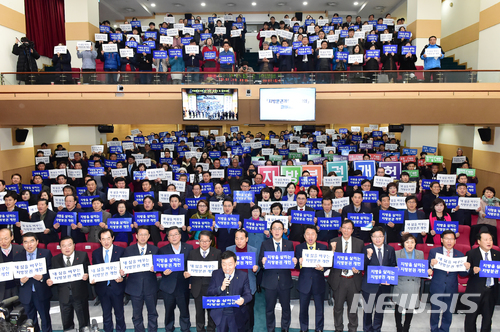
461,135
463,14
400,11
88,135
6,139
9,60
50,134
487,49
417,136
467,53
487,3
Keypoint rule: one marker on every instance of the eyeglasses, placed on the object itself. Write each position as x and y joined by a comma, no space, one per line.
277,229
205,241
202,205
377,237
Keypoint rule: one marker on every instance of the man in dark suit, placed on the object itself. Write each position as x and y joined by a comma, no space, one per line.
485,290
311,282
444,282
277,282
176,209
10,200
357,207
297,230
73,296
9,250
110,292
225,236
327,212
92,190
199,285
411,213
378,254
227,281
392,230
142,286
345,283
34,293
48,217
72,231
243,209
173,285
195,193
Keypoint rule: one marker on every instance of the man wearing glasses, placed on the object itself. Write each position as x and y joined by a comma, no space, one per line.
277,282
243,209
345,283
173,285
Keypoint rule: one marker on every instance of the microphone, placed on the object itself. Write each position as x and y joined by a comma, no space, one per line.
228,276
9,301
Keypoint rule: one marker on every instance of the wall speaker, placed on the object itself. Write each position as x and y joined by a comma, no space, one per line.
485,134
192,129
188,16
103,129
21,135
298,15
308,128
396,128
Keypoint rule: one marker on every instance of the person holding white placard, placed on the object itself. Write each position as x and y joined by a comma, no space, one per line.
389,61
432,62
47,216
192,61
88,61
488,199
411,213
323,63
111,63
357,207
9,250
73,296
175,208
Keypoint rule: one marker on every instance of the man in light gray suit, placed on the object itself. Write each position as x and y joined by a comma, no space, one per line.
345,283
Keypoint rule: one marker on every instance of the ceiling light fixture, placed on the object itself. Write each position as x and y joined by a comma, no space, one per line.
153,5
254,3
356,3
203,4
305,3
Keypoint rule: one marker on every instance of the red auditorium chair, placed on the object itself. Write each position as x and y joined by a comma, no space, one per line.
194,243
396,246
497,248
464,237
54,248
462,247
426,248
162,244
41,245
121,244
88,247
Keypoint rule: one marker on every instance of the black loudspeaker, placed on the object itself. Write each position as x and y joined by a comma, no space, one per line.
298,15
103,129
21,135
484,133
396,128
188,16
192,129
308,129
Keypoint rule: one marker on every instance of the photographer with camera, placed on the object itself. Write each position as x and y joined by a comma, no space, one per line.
26,62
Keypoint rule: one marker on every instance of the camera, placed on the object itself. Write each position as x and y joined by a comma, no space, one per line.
14,316
119,88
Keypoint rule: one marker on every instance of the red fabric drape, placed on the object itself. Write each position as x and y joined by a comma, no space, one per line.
45,24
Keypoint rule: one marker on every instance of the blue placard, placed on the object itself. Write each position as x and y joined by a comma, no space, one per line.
227,221
254,226
257,188
214,154
135,24
413,267
110,163
392,168
343,130
307,181
192,203
9,218
341,56
492,212
285,50
22,205
160,54
329,223
347,261
197,26
279,260
426,183
210,55
315,203
304,50
336,20
131,44
226,59
186,40
140,140
146,218
12,187
224,162
96,171
409,49
104,28
357,138
219,302
207,187
283,152
205,36
310,21
150,34
355,180
166,161
81,190
33,188
441,226
429,149
382,274
139,197
410,152
143,49
380,27
391,49
237,25
243,196
139,175
396,217
376,144
471,188
302,217
86,201
373,54
227,189
119,224
296,45
66,218
116,36
366,146
157,146
116,149
372,38
313,38
404,35
344,33
360,219
90,218
370,196
245,260
43,174
174,262
201,224
372,22
451,202
489,269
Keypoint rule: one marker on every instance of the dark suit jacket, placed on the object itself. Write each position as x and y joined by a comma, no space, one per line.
13,252
334,277
175,281
310,279
275,278
23,216
97,258
476,284
79,288
239,286
442,281
141,282
388,259
327,235
76,234
350,209
420,215
42,290
50,216
225,238
198,282
297,230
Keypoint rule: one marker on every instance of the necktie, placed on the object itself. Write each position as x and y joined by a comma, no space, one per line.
301,209
357,210
310,247
489,281
142,251
106,260
345,271
278,249
448,252
32,257
68,263
204,254
380,255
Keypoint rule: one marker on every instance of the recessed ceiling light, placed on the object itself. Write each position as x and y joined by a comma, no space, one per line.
115,26
153,5
304,3
230,4
178,4
254,3
331,4
281,4
129,10
203,4
356,3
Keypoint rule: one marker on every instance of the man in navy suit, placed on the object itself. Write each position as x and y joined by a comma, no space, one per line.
327,212
142,286
225,236
34,293
444,284
311,282
174,287
48,217
277,282
176,209
297,230
9,250
70,202
241,240
357,207
378,254
110,292
227,281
